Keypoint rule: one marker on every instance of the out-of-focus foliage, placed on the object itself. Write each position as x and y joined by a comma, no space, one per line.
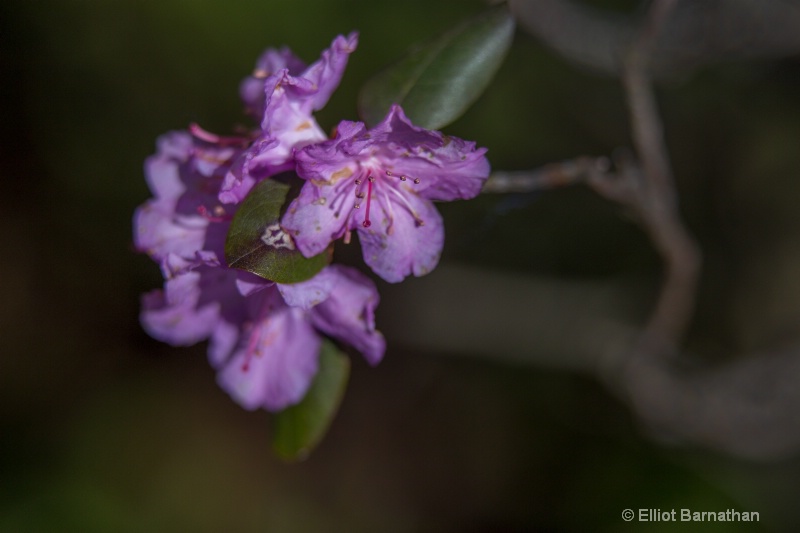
301,427
104,429
437,82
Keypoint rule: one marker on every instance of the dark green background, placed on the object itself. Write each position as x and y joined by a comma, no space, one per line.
105,429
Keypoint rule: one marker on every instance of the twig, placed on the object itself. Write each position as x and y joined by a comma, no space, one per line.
657,203
547,177
747,408
646,187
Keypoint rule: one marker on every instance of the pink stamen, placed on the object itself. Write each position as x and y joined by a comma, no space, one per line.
213,138
202,134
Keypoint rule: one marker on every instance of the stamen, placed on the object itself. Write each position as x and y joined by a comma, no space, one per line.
414,214
340,191
390,212
218,216
202,134
391,174
358,192
401,177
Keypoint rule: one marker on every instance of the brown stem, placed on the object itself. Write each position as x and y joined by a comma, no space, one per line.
657,204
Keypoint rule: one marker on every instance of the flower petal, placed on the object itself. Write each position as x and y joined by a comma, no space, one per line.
223,341
326,73
333,160
251,89
275,367
309,293
318,216
348,314
163,169
174,316
288,118
397,247
448,168
157,231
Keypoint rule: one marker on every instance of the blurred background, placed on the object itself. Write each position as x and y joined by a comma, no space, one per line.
492,410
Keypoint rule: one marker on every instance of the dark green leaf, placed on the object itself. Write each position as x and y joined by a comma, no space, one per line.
256,242
438,82
298,429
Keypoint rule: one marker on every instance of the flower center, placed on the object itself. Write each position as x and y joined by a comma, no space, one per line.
388,193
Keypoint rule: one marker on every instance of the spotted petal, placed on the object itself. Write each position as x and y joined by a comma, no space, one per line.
407,248
318,216
448,168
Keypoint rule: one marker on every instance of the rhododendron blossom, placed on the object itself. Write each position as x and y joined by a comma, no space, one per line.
380,182
264,337
290,93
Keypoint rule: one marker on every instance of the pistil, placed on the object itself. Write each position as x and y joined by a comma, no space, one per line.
370,181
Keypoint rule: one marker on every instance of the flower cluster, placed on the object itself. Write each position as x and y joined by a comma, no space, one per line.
265,337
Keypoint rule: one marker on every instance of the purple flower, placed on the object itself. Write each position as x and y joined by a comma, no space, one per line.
271,61
380,182
292,92
265,338
185,215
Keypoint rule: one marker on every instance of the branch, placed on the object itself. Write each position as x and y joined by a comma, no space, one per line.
550,176
748,407
656,204
645,186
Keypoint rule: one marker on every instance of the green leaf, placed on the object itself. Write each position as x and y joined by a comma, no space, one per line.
256,243
435,84
298,429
